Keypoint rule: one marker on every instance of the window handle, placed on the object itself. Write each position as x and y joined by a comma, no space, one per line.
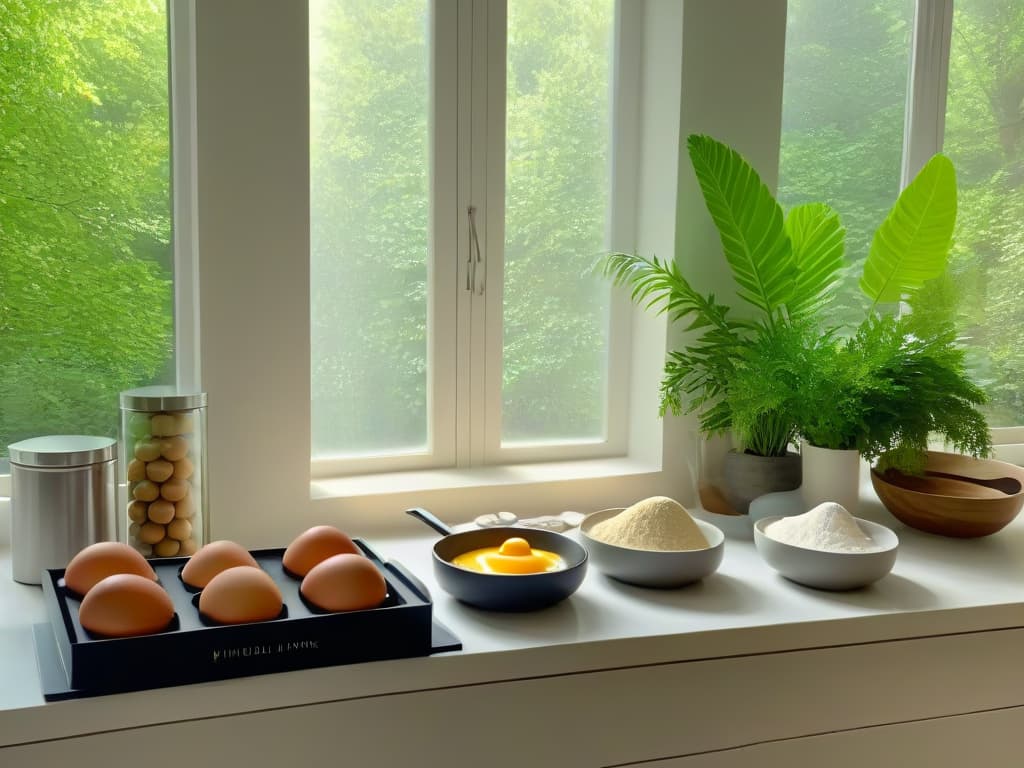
474,243
470,269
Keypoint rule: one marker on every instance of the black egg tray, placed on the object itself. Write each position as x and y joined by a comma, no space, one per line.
195,649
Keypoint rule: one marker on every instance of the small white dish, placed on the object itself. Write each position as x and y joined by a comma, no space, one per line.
829,570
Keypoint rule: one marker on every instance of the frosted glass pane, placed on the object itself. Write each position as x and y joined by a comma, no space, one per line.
369,157
556,203
985,140
86,261
844,100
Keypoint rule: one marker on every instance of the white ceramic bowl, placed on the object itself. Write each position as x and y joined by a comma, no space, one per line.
829,570
652,568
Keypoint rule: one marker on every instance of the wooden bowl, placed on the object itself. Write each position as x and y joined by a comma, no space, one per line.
957,496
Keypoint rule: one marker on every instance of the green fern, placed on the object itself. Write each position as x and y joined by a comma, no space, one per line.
660,286
929,393
696,375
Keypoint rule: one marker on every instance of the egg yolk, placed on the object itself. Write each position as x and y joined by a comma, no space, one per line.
513,556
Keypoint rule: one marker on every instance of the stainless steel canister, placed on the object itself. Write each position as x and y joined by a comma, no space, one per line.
63,498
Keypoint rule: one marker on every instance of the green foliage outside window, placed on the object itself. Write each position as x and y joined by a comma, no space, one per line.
842,137
371,218
85,273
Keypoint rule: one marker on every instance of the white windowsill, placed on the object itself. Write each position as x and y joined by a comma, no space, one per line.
479,477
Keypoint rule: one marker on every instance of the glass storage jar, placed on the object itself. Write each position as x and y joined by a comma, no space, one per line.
163,435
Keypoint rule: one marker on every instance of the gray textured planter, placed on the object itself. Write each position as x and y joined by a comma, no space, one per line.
746,476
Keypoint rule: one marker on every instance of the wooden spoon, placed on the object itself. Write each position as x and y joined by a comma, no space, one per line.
1008,485
943,486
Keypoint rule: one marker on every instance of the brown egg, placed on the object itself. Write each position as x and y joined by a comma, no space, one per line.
136,470
174,489
213,558
159,470
315,546
185,508
344,583
183,468
183,423
137,511
151,533
166,547
162,424
174,448
97,561
124,605
145,490
240,595
188,547
179,529
161,511
147,450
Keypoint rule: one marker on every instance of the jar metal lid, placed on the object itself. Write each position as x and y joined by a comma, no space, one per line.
63,451
161,398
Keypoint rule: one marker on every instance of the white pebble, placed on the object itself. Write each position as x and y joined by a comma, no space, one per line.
494,520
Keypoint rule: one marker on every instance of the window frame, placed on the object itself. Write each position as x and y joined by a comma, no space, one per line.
444,335
486,416
465,327
261,490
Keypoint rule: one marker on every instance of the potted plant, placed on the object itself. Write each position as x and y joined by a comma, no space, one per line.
782,371
784,268
899,378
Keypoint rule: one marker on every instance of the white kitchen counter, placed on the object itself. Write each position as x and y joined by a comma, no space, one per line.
939,586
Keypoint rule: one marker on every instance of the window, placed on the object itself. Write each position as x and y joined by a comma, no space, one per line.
556,316
370,156
86,265
848,98
255,136
461,177
844,97
984,136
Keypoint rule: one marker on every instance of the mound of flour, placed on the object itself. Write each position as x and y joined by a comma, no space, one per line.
828,527
658,523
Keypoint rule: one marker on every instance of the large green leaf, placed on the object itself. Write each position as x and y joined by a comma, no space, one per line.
913,243
749,222
818,241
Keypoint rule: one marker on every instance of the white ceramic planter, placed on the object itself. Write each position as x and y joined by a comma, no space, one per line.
830,475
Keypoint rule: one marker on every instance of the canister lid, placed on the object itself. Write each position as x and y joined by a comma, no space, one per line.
161,398
62,451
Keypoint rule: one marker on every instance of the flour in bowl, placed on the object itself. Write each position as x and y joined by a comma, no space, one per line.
828,527
658,523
